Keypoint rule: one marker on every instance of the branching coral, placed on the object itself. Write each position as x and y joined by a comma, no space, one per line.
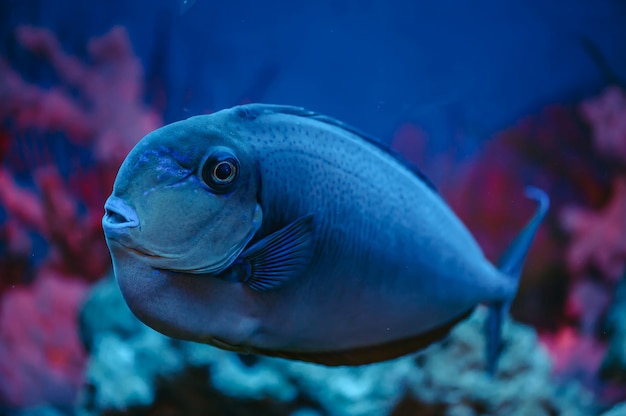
596,254
60,148
106,118
109,114
607,115
599,237
41,358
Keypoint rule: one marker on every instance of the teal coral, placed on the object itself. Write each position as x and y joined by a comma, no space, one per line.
614,364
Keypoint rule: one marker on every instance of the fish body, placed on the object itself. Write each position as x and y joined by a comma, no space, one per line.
324,246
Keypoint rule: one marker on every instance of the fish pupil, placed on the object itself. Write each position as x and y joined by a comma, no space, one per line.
220,171
223,171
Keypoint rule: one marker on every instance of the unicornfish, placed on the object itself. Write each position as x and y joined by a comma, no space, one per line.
276,230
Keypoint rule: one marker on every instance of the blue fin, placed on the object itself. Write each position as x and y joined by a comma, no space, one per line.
510,265
271,261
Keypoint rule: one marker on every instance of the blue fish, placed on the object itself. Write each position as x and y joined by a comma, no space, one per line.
275,230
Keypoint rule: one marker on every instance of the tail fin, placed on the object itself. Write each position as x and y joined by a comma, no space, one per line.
510,264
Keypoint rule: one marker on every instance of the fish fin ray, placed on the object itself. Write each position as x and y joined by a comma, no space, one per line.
279,256
370,354
254,110
510,265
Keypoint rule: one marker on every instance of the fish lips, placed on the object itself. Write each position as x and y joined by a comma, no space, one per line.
118,223
118,220
119,215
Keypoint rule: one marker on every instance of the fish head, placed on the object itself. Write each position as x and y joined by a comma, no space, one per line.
185,198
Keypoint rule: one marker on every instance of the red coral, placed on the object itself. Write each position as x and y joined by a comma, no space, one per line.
598,238
41,357
596,251
76,243
109,114
107,118
607,115
575,355
597,235
96,113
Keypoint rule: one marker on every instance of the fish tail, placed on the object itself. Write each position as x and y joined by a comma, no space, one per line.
510,265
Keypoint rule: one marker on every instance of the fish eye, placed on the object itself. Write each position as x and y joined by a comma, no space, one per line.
220,170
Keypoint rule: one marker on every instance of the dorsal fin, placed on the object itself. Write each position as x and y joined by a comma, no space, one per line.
252,111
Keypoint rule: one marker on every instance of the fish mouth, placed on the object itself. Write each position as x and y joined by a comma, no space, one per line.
128,245
120,219
119,215
145,252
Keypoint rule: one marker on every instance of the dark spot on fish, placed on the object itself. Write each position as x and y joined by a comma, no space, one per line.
249,360
247,113
421,359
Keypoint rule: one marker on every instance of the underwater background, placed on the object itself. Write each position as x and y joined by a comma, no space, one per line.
485,97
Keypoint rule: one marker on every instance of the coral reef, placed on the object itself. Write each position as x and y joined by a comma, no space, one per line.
133,367
598,240
577,153
60,148
596,253
109,114
607,116
41,357
614,364
104,120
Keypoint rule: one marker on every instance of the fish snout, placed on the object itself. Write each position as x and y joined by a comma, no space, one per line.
118,215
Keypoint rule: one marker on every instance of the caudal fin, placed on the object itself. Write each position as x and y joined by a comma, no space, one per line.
510,265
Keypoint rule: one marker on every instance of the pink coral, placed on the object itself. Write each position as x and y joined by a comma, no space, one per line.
607,115
575,355
41,358
596,249
98,110
598,237
76,243
107,117
109,113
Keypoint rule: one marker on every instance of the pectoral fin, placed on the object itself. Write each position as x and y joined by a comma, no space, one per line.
273,260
